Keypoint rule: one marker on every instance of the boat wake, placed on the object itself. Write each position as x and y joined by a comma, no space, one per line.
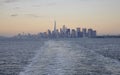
66,58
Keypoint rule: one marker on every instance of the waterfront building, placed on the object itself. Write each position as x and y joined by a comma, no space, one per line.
90,31
94,33
73,33
78,32
84,31
68,33
49,33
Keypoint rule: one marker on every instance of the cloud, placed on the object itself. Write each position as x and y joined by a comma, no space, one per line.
2,2
45,5
51,4
14,15
8,1
35,16
28,15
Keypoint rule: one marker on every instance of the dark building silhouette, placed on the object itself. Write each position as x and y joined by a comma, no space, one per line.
78,32
68,33
64,32
84,31
94,34
91,33
49,33
73,33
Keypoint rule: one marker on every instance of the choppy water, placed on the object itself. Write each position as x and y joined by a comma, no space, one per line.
64,57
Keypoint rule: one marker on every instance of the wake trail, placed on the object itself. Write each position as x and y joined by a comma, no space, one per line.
66,58
52,59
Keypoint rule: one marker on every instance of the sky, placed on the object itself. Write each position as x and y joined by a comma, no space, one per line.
34,16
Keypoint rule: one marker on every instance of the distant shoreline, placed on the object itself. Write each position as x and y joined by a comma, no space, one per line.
38,39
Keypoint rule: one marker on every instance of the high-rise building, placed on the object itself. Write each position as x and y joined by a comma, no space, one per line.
57,33
94,33
64,31
90,31
68,33
61,32
73,33
49,33
64,28
55,26
54,33
78,32
84,31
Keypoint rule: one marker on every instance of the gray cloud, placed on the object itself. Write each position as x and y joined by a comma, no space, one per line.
14,15
29,15
2,2
51,4
34,16
9,1
45,5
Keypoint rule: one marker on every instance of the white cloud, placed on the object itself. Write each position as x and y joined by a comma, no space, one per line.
8,1
14,15
35,16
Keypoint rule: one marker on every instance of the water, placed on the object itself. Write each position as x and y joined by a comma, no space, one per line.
61,57
14,55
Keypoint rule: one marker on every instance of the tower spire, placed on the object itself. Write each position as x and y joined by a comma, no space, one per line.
54,26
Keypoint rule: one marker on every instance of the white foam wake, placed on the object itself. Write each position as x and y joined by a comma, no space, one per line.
66,58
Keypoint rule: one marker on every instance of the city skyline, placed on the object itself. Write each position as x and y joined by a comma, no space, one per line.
63,32
34,16
66,32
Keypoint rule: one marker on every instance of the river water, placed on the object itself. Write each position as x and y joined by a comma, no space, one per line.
69,57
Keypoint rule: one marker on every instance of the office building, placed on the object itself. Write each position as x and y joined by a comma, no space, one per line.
73,33
78,32
84,31
90,31
68,33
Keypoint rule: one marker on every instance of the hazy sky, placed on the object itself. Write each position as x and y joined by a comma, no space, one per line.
33,16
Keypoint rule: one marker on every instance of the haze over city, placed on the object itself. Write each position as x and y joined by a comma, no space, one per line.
34,16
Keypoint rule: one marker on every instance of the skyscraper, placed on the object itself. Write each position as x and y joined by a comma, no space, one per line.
54,33
94,33
55,26
90,31
78,32
64,29
73,33
84,30
49,33
68,33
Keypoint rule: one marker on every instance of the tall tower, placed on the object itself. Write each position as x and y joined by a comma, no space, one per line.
55,26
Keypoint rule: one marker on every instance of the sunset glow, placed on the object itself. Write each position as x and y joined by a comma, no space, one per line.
34,16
